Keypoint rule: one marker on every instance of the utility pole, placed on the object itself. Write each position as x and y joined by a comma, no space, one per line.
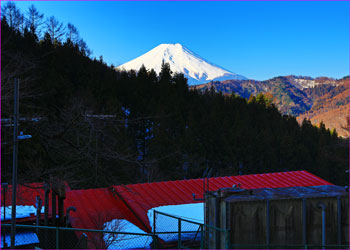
14,166
4,188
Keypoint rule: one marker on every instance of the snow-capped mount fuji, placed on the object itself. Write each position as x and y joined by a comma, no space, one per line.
182,60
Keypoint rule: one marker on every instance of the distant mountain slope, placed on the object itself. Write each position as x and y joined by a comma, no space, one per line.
332,107
182,60
320,99
287,97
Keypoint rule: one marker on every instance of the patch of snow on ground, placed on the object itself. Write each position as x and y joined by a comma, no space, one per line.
189,231
21,212
122,241
22,238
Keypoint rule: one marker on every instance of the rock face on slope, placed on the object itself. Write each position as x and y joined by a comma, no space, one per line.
182,60
331,107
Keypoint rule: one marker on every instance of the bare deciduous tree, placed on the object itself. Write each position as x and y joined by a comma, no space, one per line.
84,48
12,14
55,29
77,144
21,23
72,33
106,222
19,66
91,150
34,20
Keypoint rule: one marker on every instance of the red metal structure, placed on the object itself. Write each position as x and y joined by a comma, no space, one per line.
26,195
141,197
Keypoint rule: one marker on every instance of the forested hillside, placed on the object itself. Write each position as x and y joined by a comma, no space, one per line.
321,99
97,126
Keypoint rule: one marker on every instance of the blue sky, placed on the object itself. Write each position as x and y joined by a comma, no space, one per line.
259,40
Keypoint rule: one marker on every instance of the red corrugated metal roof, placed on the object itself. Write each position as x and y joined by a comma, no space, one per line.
94,207
142,197
26,193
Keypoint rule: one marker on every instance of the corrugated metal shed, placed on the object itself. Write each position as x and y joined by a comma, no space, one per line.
284,193
280,216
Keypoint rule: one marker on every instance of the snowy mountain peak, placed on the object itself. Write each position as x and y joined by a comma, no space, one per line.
195,68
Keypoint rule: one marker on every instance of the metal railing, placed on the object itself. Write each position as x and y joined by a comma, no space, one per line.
186,233
168,232
179,235
30,236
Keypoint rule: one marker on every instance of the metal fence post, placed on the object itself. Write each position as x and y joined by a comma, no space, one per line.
154,237
57,238
4,187
84,241
179,233
227,239
304,222
202,237
154,221
323,207
268,223
155,242
339,220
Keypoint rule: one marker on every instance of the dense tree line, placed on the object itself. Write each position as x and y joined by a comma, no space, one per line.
98,126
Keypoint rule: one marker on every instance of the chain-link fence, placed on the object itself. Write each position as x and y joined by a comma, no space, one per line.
187,235
23,238
168,232
179,232
290,246
29,236
173,230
